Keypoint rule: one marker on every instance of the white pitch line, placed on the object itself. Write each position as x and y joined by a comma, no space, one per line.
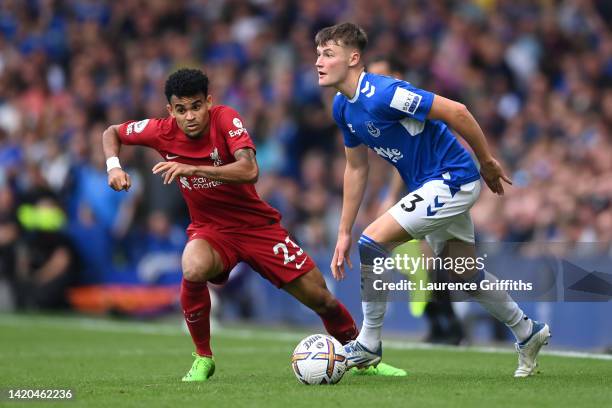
100,325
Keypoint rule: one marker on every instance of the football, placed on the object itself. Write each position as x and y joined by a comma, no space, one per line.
319,359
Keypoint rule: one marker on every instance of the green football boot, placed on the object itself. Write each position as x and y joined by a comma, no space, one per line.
382,369
201,370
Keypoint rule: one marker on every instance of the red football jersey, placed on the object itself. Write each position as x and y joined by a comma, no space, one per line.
211,203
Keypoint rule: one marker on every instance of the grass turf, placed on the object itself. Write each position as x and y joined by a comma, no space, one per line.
124,364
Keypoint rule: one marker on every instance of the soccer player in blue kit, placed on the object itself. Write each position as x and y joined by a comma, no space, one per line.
411,129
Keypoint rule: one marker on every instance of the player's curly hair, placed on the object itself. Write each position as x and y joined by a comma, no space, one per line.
186,82
345,34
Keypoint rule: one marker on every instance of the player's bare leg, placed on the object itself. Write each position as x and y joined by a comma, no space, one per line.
310,290
201,263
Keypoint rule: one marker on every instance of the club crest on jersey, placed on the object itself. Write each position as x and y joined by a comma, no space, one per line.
184,182
393,155
214,156
372,130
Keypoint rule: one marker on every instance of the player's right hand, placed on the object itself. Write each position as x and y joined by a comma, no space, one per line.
493,174
341,254
119,180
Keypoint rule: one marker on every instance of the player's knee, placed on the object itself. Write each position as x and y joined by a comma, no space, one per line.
372,231
198,270
193,273
200,262
369,250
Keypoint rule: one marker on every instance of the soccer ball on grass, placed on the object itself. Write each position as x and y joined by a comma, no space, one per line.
319,359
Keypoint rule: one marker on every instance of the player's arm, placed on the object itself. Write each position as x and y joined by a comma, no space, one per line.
111,144
458,117
243,171
355,179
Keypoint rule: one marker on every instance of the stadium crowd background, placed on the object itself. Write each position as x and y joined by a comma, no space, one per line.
537,75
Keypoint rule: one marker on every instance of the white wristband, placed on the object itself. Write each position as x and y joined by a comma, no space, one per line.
112,163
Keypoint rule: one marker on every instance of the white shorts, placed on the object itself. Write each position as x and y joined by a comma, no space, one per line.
433,212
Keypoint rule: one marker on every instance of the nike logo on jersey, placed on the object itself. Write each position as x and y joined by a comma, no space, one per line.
169,157
299,265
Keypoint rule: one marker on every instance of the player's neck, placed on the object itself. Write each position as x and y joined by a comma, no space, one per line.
348,87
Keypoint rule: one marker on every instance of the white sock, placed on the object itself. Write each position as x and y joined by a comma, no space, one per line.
522,330
371,329
501,306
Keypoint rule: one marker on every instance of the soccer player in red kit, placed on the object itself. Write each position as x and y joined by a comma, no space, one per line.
210,153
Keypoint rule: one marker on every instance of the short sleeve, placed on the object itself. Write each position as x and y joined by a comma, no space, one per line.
401,99
350,140
143,133
230,124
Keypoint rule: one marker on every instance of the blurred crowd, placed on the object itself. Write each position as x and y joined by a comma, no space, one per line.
537,75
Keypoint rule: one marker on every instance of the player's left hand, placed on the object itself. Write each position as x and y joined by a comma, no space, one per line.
341,254
493,174
171,170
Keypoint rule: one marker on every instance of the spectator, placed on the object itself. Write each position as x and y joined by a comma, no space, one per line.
537,75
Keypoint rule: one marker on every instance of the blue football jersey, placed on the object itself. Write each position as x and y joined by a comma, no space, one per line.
390,116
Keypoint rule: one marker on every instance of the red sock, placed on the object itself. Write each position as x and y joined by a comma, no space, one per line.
340,324
195,300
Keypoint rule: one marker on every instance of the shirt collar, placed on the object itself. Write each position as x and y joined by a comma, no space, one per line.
354,98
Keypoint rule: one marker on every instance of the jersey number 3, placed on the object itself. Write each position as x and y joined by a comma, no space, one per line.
416,198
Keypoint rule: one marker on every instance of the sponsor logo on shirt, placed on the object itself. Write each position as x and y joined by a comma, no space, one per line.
393,155
239,128
197,183
405,100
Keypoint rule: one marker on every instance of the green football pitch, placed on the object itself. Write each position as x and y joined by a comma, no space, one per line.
109,363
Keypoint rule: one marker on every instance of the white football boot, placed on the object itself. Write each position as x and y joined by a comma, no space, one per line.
358,355
528,350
